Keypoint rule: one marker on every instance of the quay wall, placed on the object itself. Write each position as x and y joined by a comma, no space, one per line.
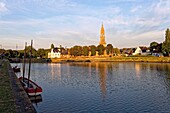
20,97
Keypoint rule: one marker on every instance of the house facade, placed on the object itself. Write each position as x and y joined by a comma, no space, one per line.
138,51
55,53
58,52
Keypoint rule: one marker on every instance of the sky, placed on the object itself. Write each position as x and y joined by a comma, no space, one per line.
127,23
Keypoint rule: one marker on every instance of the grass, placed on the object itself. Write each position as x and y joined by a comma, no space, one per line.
7,102
117,59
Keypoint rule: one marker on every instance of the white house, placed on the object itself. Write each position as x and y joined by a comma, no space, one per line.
138,51
55,53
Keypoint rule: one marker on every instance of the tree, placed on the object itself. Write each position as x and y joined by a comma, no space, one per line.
85,51
116,51
76,51
15,54
41,53
109,49
2,51
166,43
153,46
34,51
52,46
93,50
10,54
46,52
100,49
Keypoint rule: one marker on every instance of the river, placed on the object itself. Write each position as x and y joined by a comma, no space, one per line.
109,87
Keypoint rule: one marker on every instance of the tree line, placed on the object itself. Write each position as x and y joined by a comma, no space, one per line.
92,50
42,53
162,47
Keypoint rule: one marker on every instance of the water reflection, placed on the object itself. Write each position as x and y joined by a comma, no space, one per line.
103,87
137,68
36,99
55,70
102,77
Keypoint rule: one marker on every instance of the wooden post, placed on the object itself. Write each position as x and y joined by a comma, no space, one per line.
24,60
30,63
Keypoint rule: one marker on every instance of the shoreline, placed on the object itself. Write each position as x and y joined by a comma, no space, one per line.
114,59
149,59
19,100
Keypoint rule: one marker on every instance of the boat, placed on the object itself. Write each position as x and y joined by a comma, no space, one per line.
15,60
16,69
31,88
36,99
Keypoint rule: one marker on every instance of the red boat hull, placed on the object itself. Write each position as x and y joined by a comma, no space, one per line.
32,89
16,69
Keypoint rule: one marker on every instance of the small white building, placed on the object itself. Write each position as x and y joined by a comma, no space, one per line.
138,51
55,53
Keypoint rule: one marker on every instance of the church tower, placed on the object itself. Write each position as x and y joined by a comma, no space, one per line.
102,36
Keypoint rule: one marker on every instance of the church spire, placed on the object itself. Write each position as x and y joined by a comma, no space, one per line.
102,36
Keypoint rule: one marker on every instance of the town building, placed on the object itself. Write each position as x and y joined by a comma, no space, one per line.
58,52
55,53
102,36
138,51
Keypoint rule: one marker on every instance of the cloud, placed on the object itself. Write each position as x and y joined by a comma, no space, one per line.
162,8
3,7
75,22
136,8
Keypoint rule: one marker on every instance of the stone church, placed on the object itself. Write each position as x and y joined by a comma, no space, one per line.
102,36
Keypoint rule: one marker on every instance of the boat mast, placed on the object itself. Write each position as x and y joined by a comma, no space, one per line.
24,60
30,63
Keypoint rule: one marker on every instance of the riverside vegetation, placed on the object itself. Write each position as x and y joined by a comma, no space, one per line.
7,102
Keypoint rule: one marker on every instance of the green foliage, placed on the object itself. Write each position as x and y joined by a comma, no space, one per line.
76,51
20,53
28,50
100,49
9,53
116,51
109,49
93,50
52,46
7,102
2,51
155,47
41,52
153,44
166,43
85,50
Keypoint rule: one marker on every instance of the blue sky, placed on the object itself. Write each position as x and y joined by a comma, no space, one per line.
128,23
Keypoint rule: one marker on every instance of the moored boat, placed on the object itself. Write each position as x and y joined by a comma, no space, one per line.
36,99
31,88
16,69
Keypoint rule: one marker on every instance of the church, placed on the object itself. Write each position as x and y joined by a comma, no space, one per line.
102,36
57,52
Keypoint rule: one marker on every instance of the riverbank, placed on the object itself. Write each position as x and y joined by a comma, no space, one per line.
13,98
114,59
33,60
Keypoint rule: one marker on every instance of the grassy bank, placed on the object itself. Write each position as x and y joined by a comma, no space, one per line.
115,59
7,102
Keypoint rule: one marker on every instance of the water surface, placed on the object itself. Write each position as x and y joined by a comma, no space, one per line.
102,87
